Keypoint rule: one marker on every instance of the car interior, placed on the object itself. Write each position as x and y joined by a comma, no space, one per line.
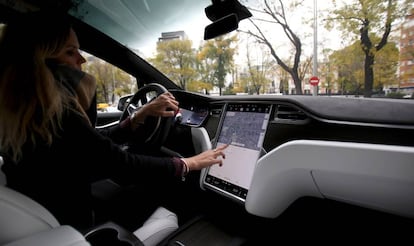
298,168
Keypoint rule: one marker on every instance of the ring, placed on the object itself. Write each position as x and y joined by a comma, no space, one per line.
215,150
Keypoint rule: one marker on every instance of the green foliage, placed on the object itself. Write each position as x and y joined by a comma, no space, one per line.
349,64
386,66
199,86
396,95
175,58
215,60
111,81
200,70
367,20
259,74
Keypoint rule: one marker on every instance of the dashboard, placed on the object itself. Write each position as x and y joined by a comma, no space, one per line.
192,116
357,151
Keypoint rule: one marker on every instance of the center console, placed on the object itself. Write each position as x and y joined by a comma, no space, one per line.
112,234
201,231
243,127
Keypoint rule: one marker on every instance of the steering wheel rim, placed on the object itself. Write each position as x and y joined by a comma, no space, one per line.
156,128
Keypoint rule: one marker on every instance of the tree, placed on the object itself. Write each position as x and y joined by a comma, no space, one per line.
284,81
386,66
123,83
327,72
257,77
205,68
175,58
215,60
366,19
276,13
304,67
350,66
110,80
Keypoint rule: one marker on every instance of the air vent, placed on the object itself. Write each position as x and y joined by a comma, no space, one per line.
290,115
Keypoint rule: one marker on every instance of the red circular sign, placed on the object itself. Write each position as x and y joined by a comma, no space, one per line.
314,80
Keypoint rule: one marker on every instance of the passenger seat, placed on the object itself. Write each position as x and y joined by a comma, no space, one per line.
24,222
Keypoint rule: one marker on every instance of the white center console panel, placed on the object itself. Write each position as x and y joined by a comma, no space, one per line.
369,175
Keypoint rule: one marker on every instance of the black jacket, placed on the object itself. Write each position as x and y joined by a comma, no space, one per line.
59,176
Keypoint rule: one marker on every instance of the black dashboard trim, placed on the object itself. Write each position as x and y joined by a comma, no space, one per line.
387,113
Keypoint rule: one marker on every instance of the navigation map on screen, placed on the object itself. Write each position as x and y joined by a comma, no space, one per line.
243,128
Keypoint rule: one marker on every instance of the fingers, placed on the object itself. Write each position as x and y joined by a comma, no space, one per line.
221,147
164,105
167,113
169,99
170,106
207,158
220,162
219,151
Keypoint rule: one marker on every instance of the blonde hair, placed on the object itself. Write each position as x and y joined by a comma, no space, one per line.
32,102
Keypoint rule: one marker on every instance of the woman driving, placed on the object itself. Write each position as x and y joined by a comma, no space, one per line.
53,151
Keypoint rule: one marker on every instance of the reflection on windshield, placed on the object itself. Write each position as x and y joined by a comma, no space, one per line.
274,52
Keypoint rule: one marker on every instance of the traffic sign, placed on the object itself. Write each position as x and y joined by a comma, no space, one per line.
314,80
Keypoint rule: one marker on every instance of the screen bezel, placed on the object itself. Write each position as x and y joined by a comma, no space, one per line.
215,142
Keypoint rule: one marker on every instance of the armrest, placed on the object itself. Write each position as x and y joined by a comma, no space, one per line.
111,233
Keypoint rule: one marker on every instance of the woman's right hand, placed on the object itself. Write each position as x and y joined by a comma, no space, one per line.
164,105
206,158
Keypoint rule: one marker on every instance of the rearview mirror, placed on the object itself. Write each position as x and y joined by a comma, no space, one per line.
225,15
221,26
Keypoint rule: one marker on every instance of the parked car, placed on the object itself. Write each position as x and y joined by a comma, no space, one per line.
298,169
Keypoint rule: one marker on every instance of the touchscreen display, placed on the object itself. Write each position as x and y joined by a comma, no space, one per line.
243,128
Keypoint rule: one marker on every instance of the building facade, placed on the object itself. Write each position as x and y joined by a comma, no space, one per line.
406,72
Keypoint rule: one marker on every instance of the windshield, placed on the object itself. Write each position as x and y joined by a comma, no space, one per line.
334,48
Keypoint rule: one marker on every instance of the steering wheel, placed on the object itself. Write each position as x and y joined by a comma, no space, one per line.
156,129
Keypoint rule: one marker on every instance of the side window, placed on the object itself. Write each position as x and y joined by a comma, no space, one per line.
112,83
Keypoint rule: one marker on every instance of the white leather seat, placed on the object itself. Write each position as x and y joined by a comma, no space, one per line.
58,236
25,222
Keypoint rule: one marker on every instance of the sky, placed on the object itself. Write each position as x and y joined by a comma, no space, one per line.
301,22
195,30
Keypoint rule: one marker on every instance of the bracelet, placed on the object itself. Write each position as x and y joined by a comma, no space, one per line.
186,169
181,167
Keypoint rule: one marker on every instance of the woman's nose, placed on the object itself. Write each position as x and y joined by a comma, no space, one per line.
81,59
